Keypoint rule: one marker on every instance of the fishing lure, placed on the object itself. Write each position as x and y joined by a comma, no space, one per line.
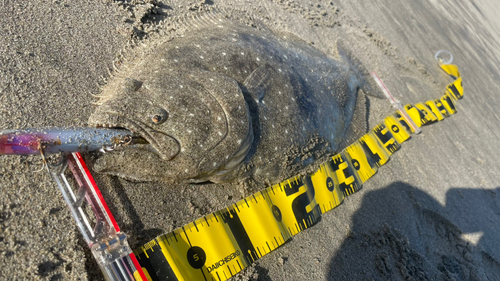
54,140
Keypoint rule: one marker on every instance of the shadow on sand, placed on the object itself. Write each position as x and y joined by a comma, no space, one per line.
402,233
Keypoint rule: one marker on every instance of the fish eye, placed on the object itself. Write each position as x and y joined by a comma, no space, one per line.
159,116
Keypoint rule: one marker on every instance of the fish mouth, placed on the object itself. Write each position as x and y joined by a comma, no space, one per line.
144,137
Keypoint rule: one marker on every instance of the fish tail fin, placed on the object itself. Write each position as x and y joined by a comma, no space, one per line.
359,123
366,82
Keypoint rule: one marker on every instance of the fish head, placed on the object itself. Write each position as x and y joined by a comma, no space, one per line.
194,127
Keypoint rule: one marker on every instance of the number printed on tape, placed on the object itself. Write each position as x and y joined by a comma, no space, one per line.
221,244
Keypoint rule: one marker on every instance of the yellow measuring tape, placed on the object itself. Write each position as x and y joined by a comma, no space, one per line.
219,245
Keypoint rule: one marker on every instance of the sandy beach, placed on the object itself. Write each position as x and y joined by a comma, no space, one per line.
431,213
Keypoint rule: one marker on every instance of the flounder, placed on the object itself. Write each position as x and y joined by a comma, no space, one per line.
226,101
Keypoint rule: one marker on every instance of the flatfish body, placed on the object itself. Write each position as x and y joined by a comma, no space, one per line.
229,101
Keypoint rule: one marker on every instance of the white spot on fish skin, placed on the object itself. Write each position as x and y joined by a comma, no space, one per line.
276,148
239,141
225,67
220,134
286,107
162,60
175,60
201,145
265,118
171,97
272,125
189,131
177,47
186,170
286,131
211,79
198,46
242,53
293,99
303,128
224,54
279,69
239,107
191,114
227,156
201,57
215,164
156,71
181,86
218,118
279,92
258,59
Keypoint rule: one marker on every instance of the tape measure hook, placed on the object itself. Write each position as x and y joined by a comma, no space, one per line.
440,59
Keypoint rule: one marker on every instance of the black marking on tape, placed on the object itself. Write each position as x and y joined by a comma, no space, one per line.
276,240
402,121
196,257
421,115
455,91
195,226
238,262
253,195
232,219
247,203
189,242
348,172
386,138
204,277
206,220
157,265
276,213
450,103
230,272
218,276
441,108
236,205
373,158
300,203
175,237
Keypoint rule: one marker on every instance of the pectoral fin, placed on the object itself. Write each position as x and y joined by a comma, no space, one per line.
258,81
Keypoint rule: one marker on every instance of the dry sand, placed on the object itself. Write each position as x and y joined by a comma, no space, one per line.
431,213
